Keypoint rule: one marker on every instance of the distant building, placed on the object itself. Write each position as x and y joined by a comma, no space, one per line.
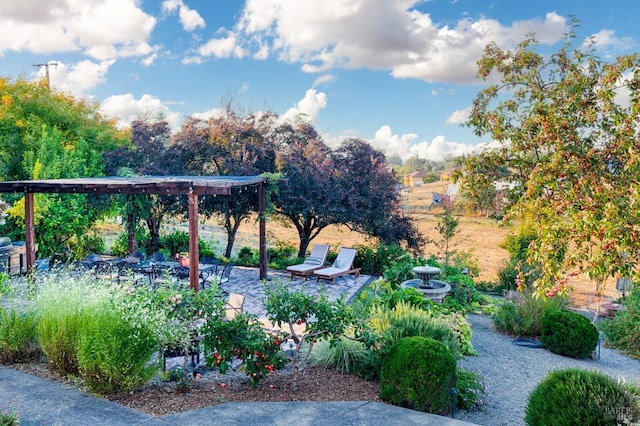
414,179
445,175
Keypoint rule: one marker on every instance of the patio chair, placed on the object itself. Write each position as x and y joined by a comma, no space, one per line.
224,276
313,262
160,274
343,265
234,306
103,270
158,257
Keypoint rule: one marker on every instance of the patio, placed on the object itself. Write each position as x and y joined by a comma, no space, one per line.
245,281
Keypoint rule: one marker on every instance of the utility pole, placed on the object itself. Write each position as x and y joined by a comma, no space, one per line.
46,67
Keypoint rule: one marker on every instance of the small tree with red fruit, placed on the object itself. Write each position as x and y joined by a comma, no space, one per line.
305,318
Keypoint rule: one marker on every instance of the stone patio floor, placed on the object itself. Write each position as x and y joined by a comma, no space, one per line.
246,281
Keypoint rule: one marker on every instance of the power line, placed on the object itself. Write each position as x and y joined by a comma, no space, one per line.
46,67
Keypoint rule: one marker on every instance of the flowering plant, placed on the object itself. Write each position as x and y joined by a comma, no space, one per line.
182,255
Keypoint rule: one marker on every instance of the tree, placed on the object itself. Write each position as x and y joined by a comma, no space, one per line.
573,146
479,192
46,134
146,154
230,145
312,199
370,202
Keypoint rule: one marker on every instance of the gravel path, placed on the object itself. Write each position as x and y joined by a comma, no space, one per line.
511,372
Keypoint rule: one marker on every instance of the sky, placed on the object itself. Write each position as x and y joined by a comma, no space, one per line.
400,74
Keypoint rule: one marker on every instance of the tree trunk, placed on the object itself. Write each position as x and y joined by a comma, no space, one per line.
231,225
153,224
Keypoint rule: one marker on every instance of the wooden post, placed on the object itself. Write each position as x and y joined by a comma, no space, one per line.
262,206
30,231
194,254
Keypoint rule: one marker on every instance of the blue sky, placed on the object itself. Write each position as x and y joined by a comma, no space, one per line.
398,73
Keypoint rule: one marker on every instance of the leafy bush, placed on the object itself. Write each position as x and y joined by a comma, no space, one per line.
344,354
524,317
385,327
64,306
470,391
281,251
18,341
248,257
116,346
178,241
573,396
623,330
89,243
418,373
381,292
120,246
242,337
569,333
507,277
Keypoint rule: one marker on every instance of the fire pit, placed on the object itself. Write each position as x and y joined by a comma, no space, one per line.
426,283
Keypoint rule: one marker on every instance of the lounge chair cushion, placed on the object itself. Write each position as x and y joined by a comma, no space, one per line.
313,260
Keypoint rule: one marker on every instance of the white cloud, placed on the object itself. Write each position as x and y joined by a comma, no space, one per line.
376,34
101,29
324,79
211,113
459,116
406,146
607,38
78,79
222,47
244,88
308,107
125,108
189,18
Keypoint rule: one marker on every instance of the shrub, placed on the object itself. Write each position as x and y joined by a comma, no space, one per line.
418,373
248,257
18,341
344,354
569,333
470,391
623,330
573,396
242,337
381,292
89,243
524,317
115,348
64,306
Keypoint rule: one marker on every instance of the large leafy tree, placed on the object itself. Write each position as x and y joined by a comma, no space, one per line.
48,134
312,199
232,144
567,129
370,202
145,154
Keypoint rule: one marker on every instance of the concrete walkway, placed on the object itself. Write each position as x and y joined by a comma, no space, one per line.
43,402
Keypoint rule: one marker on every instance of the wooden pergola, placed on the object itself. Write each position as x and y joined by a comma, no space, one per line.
192,186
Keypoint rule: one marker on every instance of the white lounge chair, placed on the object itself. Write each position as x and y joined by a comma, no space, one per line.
316,260
343,265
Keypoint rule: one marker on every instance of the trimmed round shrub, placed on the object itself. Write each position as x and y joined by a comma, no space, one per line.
569,333
579,397
418,373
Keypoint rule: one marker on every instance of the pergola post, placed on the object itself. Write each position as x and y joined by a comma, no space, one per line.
262,206
30,231
194,255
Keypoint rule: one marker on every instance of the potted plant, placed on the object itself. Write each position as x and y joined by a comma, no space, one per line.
183,258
